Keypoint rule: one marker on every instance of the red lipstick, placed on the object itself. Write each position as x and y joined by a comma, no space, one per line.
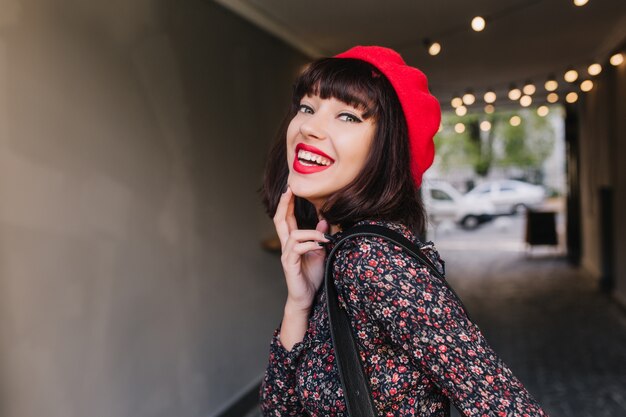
304,169
312,149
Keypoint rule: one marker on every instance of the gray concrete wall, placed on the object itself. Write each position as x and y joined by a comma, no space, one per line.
603,163
132,139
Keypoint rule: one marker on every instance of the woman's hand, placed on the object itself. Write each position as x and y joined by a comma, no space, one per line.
302,257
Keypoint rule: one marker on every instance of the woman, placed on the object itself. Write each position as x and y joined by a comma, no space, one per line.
353,150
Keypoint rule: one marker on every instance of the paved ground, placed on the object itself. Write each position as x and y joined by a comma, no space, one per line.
562,338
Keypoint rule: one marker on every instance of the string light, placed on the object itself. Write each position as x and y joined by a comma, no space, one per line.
469,98
515,121
485,125
459,128
551,83
529,88
433,48
478,23
571,97
490,96
586,85
514,93
543,111
617,59
571,75
594,69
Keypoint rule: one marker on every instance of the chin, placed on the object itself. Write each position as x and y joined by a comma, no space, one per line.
304,191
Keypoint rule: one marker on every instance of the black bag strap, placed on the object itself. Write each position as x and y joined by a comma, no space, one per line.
356,388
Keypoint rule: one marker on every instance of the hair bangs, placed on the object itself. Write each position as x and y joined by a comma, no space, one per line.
352,81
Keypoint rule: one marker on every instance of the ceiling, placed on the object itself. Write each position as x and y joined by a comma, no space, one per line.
523,40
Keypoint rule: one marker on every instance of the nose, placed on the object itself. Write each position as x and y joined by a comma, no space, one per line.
313,127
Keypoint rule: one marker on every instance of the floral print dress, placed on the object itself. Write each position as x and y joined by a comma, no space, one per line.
417,346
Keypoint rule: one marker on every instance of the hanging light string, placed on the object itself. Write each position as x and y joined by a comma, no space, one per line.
576,78
524,95
433,43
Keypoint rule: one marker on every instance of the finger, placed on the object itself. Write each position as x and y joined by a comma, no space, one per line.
322,226
303,235
294,255
282,228
291,207
297,237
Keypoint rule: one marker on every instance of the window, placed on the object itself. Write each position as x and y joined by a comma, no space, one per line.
440,195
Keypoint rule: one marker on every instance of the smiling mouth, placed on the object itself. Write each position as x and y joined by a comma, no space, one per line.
312,159
304,165
311,156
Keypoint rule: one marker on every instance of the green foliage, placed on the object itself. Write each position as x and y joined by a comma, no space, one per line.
525,146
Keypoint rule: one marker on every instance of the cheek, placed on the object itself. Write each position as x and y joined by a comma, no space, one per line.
362,150
292,131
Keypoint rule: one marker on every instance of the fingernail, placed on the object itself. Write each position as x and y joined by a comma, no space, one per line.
322,243
329,237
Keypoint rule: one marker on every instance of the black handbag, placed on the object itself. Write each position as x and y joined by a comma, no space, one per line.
355,385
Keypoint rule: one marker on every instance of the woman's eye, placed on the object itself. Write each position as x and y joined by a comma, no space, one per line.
349,118
305,109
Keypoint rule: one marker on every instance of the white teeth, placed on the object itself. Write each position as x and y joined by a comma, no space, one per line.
313,157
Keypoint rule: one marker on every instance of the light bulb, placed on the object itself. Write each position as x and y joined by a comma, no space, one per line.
459,128
571,75
434,48
553,98
468,98
543,111
485,126
529,88
571,97
514,93
515,121
580,3
586,86
490,96
551,84
525,101
461,111
489,108
594,69
617,59
456,102
478,23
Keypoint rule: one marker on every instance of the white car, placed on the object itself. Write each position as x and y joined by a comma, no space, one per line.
509,196
443,202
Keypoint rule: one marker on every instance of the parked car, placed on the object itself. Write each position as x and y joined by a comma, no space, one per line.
444,202
509,196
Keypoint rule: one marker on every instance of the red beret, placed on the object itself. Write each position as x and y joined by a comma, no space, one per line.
421,109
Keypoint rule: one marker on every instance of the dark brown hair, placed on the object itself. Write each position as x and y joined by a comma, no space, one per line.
384,189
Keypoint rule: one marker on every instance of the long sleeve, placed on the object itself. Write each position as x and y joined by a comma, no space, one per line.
421,315
277,394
